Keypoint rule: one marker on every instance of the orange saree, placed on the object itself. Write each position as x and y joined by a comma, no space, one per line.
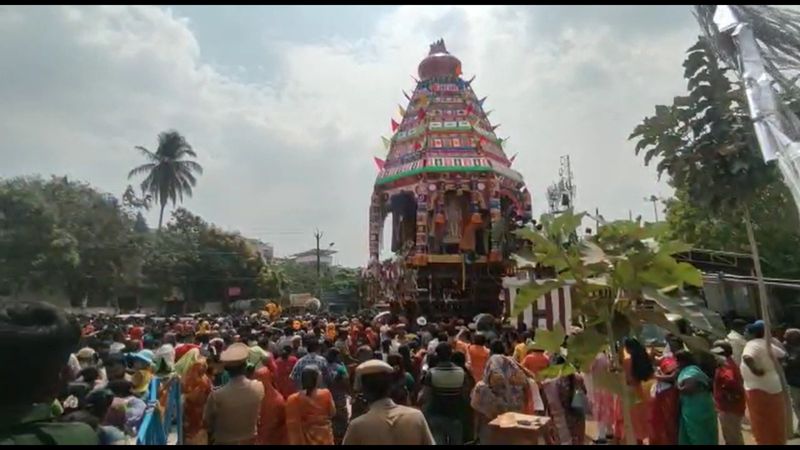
272,423
308,418
196,388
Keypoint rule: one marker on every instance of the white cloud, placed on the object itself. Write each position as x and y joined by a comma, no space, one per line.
82,85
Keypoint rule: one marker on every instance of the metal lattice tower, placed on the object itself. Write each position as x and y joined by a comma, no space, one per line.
561,195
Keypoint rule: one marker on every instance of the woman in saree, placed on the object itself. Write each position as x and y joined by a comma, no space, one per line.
196,387
503,388
698,423
638,370
309,412
665,410
272,421
567,404
601,399
283,371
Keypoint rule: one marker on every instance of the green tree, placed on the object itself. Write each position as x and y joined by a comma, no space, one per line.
169,174
706,144
775,224
612,275
83,242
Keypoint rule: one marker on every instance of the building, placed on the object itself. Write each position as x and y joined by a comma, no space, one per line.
310,257
266,250
446,183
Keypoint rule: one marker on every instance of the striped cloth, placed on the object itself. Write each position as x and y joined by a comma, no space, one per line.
551,308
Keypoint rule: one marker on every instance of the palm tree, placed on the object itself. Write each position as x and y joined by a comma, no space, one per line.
170,175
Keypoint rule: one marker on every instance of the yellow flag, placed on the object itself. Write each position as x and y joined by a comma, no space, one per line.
402,111
386,142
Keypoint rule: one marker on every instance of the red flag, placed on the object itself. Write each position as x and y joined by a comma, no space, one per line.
421,114
469,109
417,146
379,162
394,125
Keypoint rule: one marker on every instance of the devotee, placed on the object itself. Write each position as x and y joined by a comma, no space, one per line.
638,370
442,397
737,339
698,424
338,382
468,415
36,340
313,358
503,388
232,411
196,387
567,406
729,394
602,400
536,359
402,382
477,355
763,391
665,406
309,411
283,370
272,419
385,423
791,367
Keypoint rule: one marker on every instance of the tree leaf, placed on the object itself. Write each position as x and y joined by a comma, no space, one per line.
531,293
689,274
555,371
551,340
591,253
583,347
699,317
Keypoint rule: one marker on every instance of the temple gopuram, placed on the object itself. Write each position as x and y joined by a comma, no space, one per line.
453,198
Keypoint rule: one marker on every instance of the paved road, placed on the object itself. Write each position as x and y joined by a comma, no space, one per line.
591,433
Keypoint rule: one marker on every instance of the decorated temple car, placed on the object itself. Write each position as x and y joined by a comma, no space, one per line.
451,193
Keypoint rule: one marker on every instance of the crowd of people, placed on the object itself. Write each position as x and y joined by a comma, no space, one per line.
325,380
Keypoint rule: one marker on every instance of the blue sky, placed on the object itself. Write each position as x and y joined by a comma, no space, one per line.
286,105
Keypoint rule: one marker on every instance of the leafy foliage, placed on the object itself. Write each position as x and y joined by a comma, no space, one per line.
705,141
612,276
66,234
169,175
776,228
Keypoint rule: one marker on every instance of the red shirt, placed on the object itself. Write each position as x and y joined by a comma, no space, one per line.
729,388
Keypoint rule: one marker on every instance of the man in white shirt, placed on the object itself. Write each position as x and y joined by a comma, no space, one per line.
762,384
736,339
385,423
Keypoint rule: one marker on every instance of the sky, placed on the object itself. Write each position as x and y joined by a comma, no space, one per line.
286,105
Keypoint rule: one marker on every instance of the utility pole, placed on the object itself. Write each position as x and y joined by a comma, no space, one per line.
318,235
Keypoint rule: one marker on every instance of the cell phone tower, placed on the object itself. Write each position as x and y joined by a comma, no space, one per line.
561,195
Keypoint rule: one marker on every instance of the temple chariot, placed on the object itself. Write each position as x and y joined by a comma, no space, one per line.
452,198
